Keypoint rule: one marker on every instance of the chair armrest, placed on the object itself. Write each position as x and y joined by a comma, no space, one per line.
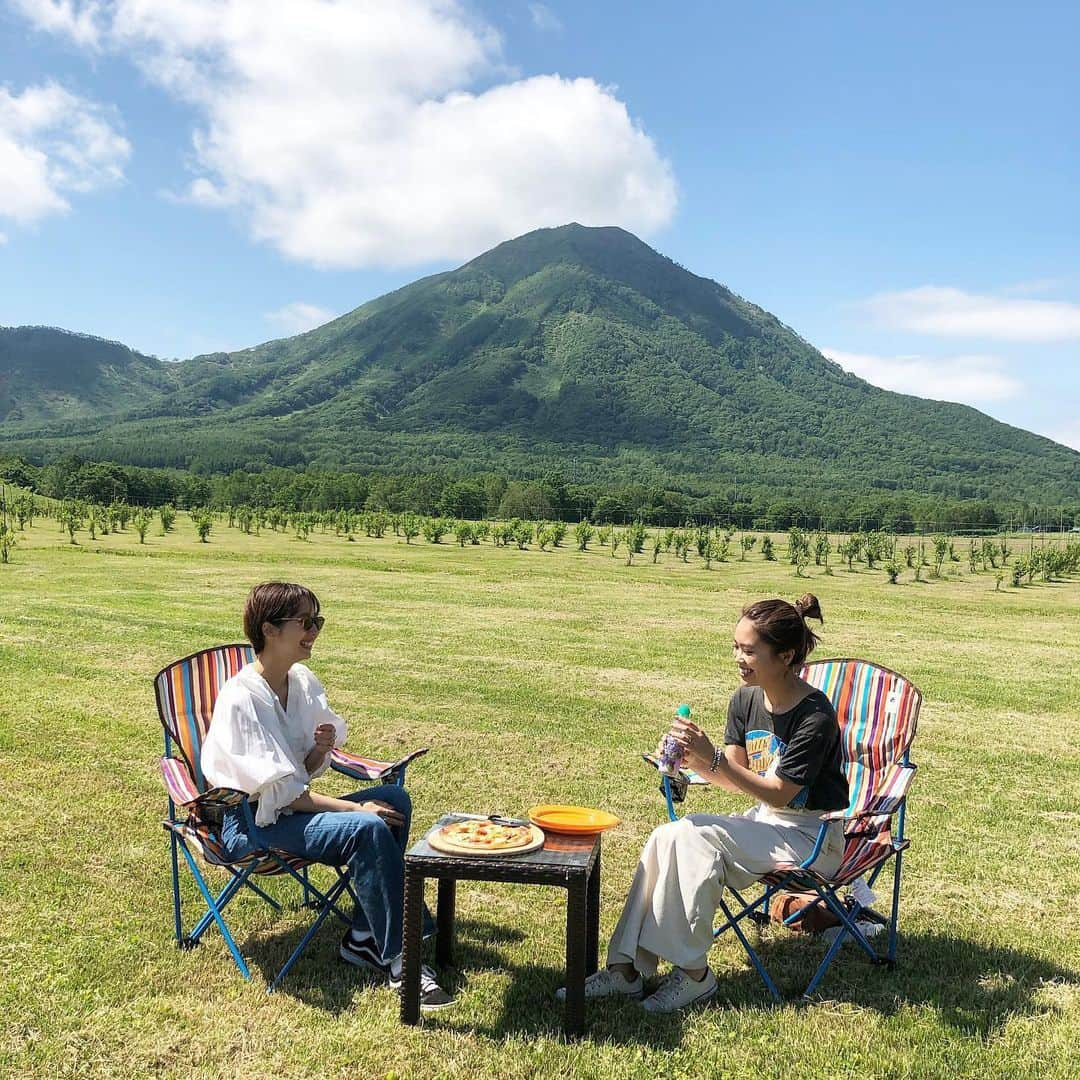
182,789
365,768
178,781
687,775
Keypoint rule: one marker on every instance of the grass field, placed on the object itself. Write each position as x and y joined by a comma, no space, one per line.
534,676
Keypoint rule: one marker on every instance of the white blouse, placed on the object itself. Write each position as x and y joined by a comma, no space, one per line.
255,745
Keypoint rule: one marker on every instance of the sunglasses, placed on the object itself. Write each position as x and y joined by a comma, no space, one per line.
308,622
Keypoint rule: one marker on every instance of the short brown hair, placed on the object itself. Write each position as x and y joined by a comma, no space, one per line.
783,625
271,601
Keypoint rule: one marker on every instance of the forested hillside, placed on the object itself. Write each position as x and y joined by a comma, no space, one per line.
575,349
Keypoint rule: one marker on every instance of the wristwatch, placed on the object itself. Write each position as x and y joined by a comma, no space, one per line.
717,757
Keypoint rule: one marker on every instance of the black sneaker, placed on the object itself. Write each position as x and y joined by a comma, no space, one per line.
361,953
432,996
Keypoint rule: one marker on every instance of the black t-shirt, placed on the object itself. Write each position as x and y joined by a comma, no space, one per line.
801,745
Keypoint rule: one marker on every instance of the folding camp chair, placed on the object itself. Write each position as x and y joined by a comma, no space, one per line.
877,710
186,692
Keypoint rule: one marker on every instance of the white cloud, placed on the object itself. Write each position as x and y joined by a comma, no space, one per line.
80,21
53,143
297,317
966,379
544,18
948,312
353,132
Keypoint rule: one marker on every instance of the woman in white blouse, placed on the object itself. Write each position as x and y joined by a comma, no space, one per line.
271,734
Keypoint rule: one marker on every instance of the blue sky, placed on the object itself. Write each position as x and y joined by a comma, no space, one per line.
896,182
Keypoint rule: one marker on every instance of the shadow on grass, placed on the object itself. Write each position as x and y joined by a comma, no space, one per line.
321,979
975,989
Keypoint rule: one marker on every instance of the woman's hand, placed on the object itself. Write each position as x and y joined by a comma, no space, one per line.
325,734
381,809
697,746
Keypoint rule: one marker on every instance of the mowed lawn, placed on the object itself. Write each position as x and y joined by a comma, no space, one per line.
534,677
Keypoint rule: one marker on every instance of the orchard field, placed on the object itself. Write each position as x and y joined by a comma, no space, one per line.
535,675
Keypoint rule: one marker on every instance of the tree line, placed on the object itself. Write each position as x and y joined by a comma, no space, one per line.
499,496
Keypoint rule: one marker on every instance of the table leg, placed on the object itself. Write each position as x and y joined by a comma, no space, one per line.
412,929
444,922
592,920
576,916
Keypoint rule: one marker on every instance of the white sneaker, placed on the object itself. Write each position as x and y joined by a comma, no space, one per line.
607,983
678,990
869,929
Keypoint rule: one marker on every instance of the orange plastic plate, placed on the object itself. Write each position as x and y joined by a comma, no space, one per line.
572,819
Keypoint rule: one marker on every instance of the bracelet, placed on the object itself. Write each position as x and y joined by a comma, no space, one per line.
717,757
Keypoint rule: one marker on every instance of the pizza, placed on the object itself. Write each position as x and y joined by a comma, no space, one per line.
486,836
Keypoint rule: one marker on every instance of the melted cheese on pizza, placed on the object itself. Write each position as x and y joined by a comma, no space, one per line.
487,835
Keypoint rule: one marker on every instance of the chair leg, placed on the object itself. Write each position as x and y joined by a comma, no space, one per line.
848,927
232,887
215,911
327,906
833,949
746,911
734,924
895,914
177,924
320,899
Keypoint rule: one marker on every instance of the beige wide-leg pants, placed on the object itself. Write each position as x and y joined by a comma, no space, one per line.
687,864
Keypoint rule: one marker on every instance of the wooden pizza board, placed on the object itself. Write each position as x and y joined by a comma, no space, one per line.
440,843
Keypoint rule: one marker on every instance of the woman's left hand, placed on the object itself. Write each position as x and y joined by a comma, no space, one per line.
697,746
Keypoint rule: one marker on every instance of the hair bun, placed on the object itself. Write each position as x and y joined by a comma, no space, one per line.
809,607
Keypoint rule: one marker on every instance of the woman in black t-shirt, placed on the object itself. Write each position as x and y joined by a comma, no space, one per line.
782,748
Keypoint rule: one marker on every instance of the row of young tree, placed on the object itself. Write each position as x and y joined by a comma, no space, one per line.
874,549
877,548
549,497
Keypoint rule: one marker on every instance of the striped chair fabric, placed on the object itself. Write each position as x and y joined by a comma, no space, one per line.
877,710
186,693
366,768
206,842
862,852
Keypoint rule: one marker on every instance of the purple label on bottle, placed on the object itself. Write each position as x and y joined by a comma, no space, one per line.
671,755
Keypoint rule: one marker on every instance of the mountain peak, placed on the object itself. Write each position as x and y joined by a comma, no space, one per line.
589,244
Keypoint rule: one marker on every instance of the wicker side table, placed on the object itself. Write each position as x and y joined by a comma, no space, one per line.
570,862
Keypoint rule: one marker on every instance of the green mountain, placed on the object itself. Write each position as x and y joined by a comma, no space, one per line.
577,348
48,374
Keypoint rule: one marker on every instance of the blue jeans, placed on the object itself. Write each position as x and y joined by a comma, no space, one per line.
373,851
